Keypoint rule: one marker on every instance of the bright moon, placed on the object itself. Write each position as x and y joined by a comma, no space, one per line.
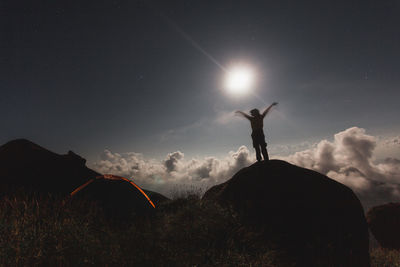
239,80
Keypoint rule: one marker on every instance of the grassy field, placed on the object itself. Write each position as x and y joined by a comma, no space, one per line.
37,231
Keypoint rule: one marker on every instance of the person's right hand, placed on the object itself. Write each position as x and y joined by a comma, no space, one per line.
275,103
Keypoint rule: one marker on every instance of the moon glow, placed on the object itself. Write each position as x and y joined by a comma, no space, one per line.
239,80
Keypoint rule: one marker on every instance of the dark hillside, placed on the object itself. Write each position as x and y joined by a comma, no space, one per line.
29,167
26,167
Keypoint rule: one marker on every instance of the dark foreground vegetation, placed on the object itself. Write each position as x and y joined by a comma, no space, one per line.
37,230
183,232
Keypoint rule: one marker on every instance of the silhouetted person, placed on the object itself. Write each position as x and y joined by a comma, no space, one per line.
256,120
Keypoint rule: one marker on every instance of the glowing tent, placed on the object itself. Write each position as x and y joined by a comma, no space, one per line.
118,196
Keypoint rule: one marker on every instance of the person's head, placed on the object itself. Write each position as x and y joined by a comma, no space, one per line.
255,112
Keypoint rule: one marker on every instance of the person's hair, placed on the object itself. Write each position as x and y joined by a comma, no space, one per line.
254,112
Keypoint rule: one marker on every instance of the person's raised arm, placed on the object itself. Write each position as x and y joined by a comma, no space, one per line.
268,109
243,114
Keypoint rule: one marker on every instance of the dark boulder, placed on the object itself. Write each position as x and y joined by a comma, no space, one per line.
384,222
316,220
29,167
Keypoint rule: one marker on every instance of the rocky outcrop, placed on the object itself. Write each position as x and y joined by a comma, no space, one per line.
316,220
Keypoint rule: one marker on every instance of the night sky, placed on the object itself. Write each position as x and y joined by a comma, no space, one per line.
134,76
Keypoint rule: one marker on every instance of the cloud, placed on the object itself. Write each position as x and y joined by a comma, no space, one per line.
172,161
393,141
163,176
349,159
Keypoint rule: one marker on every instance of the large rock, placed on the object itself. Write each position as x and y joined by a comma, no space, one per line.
318,221
384,222
29,167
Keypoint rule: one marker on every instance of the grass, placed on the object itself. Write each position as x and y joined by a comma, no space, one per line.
385,258
37,231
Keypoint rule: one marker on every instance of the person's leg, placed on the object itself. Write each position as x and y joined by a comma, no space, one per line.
258,153
264,152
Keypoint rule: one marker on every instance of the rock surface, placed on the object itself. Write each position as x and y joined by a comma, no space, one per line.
384,222
314,218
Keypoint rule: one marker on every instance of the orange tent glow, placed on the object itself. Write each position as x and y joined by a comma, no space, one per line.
113,177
